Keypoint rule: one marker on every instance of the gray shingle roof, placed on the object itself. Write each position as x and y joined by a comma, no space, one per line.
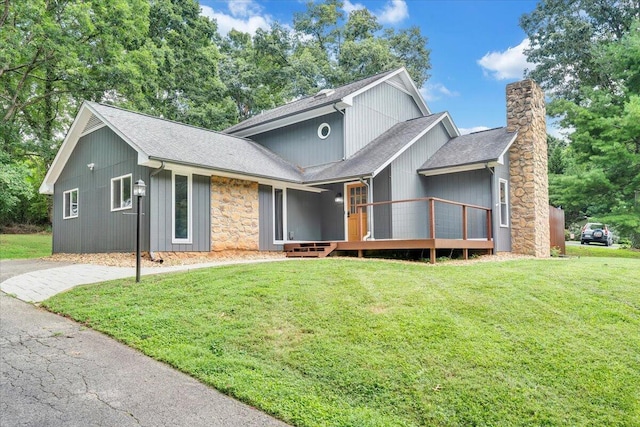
479,147
176,142
305,104
375,154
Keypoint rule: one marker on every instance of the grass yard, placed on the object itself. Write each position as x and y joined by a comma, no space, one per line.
601,252
19,246
339,342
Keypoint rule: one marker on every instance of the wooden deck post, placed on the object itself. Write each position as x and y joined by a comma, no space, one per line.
432,255
464,222
432,218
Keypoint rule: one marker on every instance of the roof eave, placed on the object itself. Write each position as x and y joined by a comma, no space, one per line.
292,118
460,168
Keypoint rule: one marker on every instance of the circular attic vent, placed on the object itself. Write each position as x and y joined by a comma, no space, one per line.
324,130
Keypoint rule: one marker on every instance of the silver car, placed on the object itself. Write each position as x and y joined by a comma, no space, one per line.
596,232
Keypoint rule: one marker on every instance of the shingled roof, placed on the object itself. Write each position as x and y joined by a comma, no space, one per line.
472,149
161,139
327,97
375,155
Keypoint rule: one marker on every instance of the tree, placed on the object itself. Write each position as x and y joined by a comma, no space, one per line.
606,142
565,36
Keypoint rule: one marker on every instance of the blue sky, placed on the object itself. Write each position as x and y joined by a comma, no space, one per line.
476,46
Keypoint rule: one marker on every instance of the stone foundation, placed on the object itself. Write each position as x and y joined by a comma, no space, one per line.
234,214
529,188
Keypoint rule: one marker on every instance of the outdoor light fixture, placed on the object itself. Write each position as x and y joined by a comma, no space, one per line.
339,198
91,166
139,190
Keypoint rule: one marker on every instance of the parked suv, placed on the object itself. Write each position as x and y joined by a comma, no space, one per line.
596,232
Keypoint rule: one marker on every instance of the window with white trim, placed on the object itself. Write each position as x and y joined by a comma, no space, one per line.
504,202
278,214
324,130
181,208
121,193
70,204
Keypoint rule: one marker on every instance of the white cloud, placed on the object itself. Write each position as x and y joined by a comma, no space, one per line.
243,8
244,16
393,12
350,7
509,64
435,91
466,131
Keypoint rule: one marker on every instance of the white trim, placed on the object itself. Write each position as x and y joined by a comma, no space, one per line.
122,206
189,239
290,120
410,143
284,215
186,169
461,168
64,204
504,222
321,128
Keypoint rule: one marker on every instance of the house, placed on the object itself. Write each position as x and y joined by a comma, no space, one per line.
362,166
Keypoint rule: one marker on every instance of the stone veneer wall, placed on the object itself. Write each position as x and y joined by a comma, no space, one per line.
529,187
234,214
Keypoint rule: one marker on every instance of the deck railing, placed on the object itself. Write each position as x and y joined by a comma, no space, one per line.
433,221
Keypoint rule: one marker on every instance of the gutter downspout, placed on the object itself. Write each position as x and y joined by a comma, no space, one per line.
369,197
151,176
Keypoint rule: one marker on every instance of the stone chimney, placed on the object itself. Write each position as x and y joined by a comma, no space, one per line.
529,186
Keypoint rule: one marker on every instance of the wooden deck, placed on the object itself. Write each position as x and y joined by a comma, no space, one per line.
324,248
306,249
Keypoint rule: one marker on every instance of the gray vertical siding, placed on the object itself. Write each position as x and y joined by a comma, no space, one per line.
303,215
375,111
502,234
410,220
382,214
299,143
473,187
332,213
265,201
97,229
161,220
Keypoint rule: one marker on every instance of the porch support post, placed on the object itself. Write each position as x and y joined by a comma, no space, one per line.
432,218
464,222
432,255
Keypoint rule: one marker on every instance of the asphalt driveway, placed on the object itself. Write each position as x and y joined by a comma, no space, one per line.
55,372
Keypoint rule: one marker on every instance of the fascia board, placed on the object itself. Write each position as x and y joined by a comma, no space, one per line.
501,157
292,119
199,170
406,146
349,98
460,168
71,140
65,150
404,74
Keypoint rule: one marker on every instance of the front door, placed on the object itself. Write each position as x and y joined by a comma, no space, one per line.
357,217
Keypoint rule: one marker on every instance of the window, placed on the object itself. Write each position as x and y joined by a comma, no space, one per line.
121,193
324,130
504,203
70,204
181,208
278,217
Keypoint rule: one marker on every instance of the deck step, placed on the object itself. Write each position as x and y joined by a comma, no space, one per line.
309,250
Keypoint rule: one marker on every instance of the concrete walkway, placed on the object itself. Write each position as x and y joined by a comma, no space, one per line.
45,279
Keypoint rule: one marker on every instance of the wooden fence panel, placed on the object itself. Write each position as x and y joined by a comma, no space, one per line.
556,228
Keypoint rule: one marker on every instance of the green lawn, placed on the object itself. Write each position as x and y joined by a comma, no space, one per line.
601,251
339,342
18,246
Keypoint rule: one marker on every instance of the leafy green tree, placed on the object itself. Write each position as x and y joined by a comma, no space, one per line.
605,145
565,36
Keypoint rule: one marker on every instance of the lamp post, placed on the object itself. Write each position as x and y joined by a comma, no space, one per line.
139,190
